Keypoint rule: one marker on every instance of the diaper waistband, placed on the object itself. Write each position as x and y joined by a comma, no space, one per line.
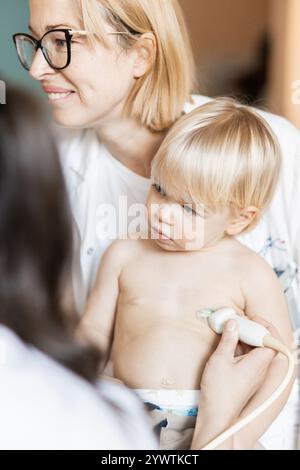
179,402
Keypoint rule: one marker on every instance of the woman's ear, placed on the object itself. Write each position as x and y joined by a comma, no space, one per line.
241,221
146,50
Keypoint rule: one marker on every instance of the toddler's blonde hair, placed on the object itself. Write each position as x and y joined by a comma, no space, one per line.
222,154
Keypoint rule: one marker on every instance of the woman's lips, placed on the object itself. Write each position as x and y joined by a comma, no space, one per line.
57,94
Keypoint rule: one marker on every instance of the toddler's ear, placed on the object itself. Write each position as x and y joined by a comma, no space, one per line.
241,221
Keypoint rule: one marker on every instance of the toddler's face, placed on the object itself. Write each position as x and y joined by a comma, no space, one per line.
184,227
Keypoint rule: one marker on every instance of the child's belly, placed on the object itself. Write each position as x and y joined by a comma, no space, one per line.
170,355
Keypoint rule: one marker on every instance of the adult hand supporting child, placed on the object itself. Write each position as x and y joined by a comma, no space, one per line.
227,385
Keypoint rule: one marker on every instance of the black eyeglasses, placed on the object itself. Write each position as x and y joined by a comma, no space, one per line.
55,46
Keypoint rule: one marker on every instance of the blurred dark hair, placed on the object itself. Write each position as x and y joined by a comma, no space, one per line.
36,236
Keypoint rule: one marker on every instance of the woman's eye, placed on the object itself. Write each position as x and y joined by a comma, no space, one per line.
159,189
61,43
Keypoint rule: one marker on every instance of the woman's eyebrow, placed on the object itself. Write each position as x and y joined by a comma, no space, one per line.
57,26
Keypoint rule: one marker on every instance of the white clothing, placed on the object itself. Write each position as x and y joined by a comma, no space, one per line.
44,406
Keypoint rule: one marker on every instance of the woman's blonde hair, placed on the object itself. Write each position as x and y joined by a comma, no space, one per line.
158,98
222,154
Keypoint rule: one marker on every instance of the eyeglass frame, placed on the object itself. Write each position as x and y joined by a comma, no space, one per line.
69,33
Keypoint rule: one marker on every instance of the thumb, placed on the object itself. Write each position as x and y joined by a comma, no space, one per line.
229,339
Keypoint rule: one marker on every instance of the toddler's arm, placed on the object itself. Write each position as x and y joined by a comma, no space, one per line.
97,324
265,298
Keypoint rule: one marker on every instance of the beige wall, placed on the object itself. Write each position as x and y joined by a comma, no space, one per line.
225,27
278,30
291,79
225,33
285,67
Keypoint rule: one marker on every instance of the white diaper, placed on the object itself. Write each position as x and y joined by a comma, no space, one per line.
281,435
178,402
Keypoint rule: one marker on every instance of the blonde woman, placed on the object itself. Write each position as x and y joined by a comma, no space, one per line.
118,74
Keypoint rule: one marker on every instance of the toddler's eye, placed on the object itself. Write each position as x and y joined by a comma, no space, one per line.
189,210
159,189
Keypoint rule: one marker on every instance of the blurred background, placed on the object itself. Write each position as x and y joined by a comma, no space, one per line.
244,48
13,19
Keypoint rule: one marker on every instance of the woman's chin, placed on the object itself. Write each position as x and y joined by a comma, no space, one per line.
68,119
75,118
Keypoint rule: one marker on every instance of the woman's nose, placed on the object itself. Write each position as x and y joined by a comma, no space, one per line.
40,67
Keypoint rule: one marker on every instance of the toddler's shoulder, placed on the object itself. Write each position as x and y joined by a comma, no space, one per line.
252,267
125,248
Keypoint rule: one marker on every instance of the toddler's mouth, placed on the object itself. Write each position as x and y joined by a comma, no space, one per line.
158,234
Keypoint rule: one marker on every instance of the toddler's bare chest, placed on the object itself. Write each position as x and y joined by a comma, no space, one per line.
182,291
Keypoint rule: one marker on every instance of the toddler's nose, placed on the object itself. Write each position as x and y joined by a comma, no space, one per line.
166,214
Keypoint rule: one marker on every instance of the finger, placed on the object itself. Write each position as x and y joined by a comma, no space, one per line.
229,340
263,356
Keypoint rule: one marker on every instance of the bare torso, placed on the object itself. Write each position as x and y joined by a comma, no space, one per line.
160,340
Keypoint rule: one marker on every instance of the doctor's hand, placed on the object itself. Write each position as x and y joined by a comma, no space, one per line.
228,383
